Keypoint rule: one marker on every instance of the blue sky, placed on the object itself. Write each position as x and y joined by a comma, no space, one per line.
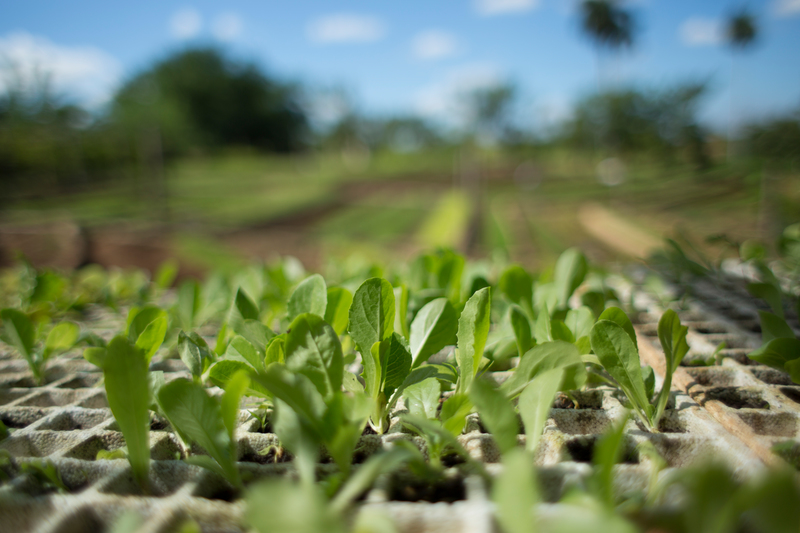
416,56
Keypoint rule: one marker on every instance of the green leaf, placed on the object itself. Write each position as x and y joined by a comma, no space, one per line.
110,455
561,332
139,319
580,321
432,329
473,328
440,372
535,402
514,493
542,330
454,413
793,368
338,308
223,371
672,336
372,313
365,476
313,349
618,316
276,351
128,393
542,357
769,293
189,304
607,453
517,285
235,388
497,414
350,383
296,390
240,349
284,506
401,310
398,364
95,355
243,308
774,327
166,274
256,333
310,296
422,398
777,352
570,271
61,338
649,378
188,406
522,329
18,331
194,352
620,358
374,364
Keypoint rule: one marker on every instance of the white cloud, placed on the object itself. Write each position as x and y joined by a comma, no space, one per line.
786,8
444,99
227,26
185,23
84,72
698,31
346,28
434,44
488,8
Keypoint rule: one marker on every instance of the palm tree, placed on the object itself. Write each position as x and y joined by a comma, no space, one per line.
741,31
607,25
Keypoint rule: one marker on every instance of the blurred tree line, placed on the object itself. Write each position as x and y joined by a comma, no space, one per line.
201,100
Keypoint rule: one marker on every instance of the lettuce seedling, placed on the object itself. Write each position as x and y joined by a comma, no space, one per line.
614,342
20,333
207,421
473,329
124,365
310,407
780,348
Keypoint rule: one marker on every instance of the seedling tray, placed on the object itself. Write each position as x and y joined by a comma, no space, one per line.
734,413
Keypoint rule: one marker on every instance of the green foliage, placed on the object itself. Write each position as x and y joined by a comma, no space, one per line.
433,328
473,329
124,365
206,421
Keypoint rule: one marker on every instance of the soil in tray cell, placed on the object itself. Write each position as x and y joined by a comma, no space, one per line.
87,450
262,449
587,399
793,393
771,376
166,477
407,488
772,424
580,421
713,376
707,327
10,395
75,420
737,398
81,381
581,450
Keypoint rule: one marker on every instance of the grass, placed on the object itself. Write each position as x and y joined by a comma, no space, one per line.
401,199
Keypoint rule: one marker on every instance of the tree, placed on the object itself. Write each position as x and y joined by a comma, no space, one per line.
741,32
607,25
201,97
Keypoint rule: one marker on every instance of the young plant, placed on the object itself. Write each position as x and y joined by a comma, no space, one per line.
310,408
473,329
614,342
198,417
20,333
390,358
124,366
